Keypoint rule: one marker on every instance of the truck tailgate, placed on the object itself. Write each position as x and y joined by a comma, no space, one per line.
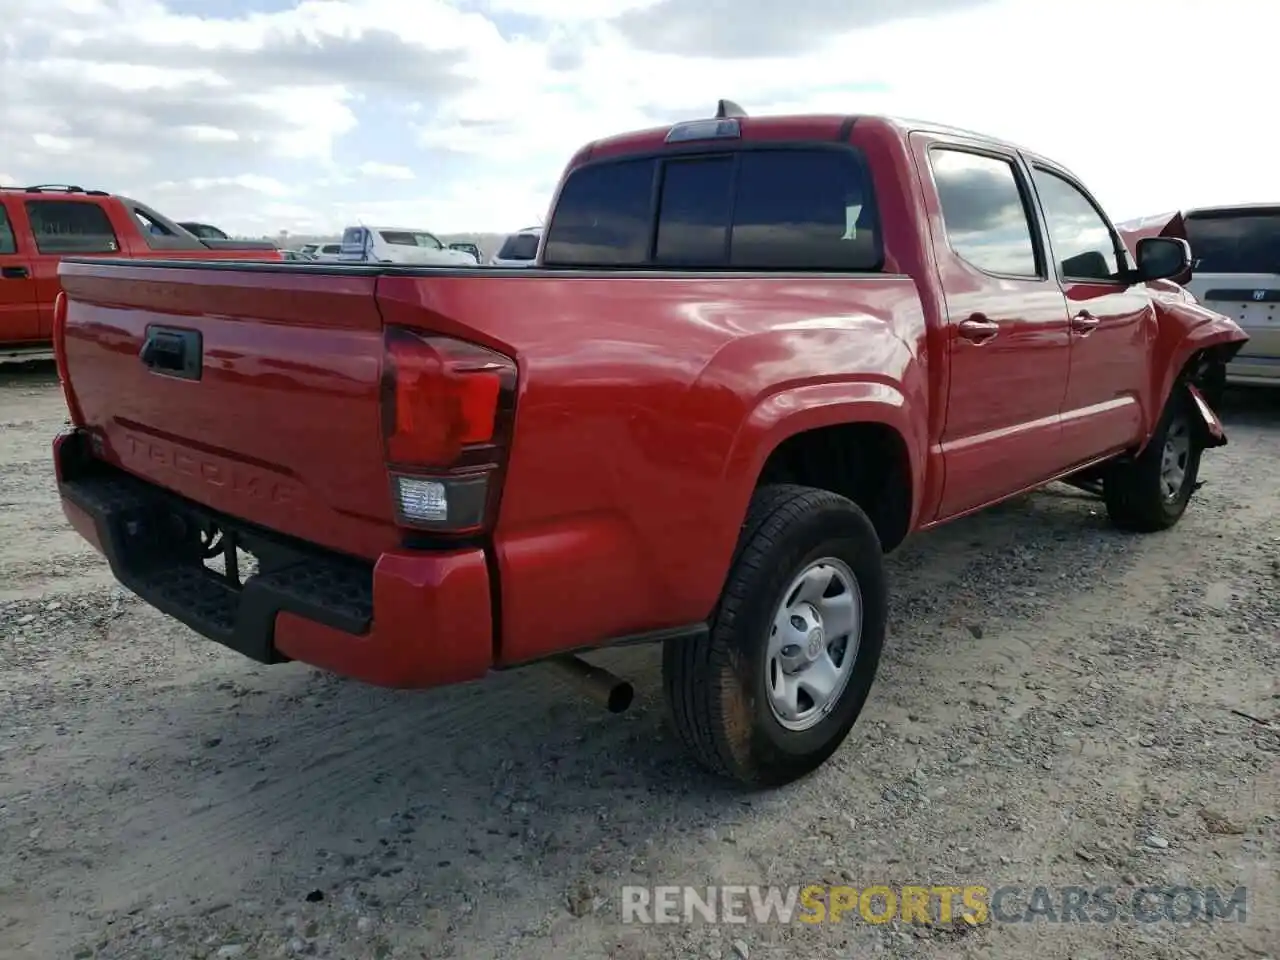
277,425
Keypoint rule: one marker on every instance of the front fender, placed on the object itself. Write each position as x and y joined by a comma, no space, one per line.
1186,329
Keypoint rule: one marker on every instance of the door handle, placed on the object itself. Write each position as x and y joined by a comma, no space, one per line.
978,329
14,273
1084,322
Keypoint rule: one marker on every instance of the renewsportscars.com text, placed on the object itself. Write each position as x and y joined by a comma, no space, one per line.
933,904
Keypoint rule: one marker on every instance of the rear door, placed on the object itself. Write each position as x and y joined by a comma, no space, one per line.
64,227
1007,322
1236,271
19,315
1113,324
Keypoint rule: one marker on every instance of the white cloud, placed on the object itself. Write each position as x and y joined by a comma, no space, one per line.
385,171
254,183
460,114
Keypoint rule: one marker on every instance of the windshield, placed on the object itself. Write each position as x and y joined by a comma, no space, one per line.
1235,241
519,246
410,238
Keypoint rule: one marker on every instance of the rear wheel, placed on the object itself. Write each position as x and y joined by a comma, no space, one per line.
1151,492
774,688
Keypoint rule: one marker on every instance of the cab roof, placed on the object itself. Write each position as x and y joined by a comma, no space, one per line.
788,127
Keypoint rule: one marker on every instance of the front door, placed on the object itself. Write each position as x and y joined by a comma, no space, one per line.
1007,337
1113,324
64,227
19,314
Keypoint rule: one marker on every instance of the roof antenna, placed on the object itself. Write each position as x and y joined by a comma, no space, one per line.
727,108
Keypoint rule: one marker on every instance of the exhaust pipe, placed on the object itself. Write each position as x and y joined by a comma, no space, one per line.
611,692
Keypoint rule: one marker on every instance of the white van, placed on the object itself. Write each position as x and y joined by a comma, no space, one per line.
1235,270
399,245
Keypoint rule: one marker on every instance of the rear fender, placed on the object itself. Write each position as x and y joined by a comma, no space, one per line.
796,410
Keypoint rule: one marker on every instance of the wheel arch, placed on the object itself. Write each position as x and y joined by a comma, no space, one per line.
855,439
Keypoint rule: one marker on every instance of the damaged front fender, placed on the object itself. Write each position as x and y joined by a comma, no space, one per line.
1212,433
1193,343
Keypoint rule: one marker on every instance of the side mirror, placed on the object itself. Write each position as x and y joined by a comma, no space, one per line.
1162,258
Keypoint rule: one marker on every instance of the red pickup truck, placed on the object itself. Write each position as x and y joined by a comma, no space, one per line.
754,355
42,224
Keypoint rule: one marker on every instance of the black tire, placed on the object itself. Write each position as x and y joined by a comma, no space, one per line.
1134,492
716,686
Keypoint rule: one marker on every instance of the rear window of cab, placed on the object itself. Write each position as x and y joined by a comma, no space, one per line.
747,209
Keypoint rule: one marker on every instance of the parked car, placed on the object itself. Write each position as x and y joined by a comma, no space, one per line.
204,231
468,248
1235,268
39,225
296,256
399,245
326,252
520,249
754,355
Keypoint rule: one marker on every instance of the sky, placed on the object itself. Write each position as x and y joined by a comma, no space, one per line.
459,115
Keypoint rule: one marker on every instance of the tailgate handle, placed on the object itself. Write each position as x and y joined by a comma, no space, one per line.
173,352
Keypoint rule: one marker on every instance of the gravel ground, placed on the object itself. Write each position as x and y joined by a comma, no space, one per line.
1057,707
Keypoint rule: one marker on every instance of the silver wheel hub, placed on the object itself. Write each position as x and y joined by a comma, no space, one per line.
1174,458
813,643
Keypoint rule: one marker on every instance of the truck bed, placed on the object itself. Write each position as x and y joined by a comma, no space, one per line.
634,402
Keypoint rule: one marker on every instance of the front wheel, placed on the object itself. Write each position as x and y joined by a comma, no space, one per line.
775,686
1152,492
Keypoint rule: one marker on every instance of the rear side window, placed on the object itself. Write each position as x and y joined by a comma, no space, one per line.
776,209
984,213
70,226
151,226
1245,242
410,238
8,242
804,209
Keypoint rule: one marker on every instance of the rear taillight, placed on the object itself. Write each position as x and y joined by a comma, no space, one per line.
447,409
59,336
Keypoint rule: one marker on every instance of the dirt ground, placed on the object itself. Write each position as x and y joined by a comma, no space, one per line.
1058,707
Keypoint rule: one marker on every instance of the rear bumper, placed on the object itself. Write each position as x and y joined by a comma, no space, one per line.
1252,369
412,619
